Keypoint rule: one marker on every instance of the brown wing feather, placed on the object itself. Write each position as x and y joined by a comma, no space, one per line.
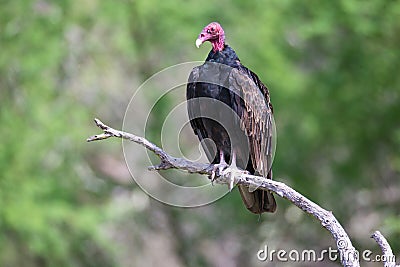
256,117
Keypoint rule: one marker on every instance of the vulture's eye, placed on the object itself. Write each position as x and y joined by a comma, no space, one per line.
208,31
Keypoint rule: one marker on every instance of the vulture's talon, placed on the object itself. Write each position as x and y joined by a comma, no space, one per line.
217,171
230,173
219,168
231,182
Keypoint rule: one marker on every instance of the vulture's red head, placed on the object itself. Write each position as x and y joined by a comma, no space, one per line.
213,33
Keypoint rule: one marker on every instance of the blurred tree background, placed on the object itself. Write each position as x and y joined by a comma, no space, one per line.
333,72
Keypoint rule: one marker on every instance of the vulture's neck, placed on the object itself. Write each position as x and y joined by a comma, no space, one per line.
219,44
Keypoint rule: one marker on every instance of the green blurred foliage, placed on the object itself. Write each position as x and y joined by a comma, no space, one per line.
332,69
47,213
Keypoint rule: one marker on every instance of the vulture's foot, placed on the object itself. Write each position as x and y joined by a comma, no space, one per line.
218,168
231,171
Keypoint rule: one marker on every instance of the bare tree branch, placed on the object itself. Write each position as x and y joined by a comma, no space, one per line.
167,161
348,254
388,258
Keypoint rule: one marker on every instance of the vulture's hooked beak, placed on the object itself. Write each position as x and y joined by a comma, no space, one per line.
198,42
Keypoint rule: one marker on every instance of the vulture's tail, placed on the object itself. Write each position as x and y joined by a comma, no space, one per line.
258,201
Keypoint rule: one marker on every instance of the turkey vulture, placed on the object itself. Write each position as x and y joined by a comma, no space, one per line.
230,111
